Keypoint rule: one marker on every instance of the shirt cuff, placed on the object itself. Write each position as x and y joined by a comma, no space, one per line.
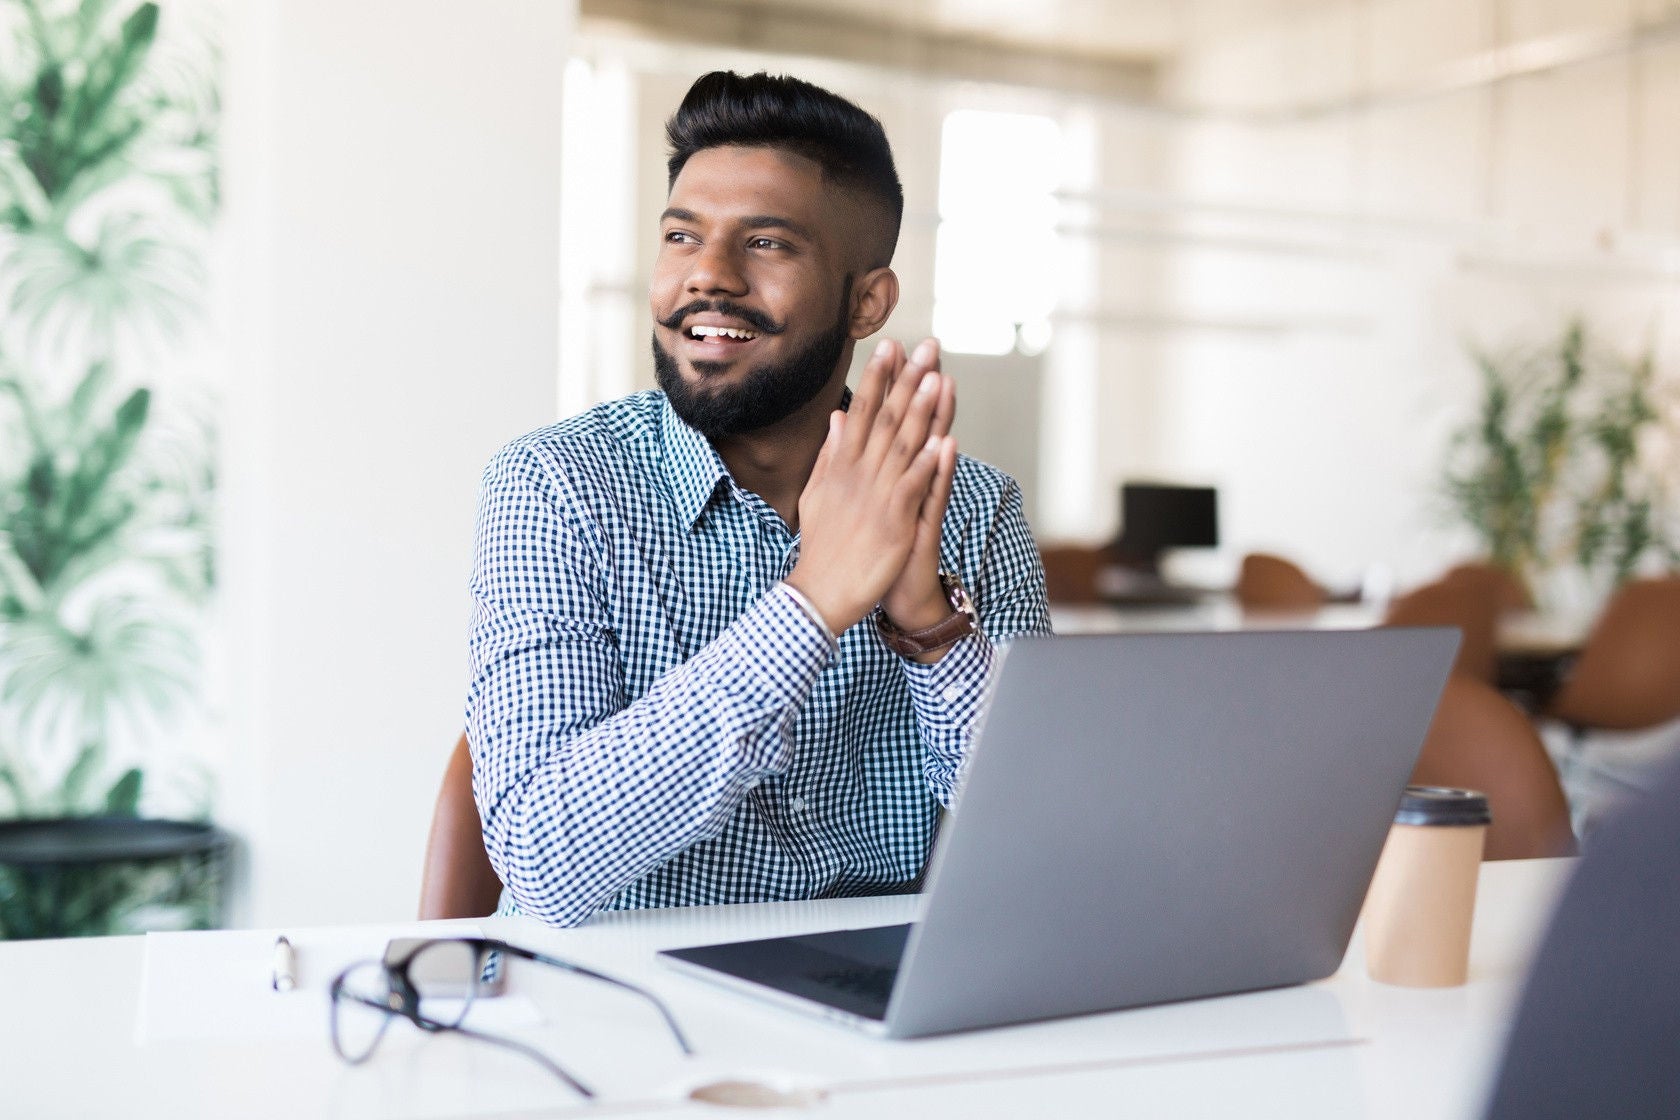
952,691
811,612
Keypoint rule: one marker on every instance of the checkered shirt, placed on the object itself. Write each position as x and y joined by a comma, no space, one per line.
655,718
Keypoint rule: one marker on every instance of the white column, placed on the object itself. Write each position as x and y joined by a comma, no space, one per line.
391,289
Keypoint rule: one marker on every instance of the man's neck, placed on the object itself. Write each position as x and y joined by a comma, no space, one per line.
775,462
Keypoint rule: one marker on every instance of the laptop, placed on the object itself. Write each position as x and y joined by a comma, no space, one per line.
1147,817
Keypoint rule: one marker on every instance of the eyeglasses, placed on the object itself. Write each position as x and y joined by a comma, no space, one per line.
449,974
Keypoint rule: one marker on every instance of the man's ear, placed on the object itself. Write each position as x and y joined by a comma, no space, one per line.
873,298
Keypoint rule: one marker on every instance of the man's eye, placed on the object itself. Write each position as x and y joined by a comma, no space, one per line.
764,243
678,237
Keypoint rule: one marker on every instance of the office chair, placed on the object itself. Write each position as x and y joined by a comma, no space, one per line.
1463,604
457,881
1480,740
1501,585
1628,674
1070,572
1271,583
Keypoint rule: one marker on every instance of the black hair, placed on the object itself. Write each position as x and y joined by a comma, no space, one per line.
777,111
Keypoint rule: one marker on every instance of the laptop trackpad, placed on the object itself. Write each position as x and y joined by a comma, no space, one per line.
850,969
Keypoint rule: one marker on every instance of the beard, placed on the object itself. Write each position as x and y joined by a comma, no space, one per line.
765,395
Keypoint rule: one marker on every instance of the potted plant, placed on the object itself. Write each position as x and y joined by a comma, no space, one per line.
107,190
1560,475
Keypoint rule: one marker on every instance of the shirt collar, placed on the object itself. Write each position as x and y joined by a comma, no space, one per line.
692,465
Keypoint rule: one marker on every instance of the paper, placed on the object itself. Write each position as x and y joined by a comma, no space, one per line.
203,986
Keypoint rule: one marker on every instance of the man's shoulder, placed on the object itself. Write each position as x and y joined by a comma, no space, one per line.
979,483
614,434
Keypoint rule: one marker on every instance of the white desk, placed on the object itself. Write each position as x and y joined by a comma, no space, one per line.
1347,1047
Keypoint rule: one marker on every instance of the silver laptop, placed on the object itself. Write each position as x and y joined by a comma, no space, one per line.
1146,818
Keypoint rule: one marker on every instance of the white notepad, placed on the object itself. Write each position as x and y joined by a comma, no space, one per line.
217,984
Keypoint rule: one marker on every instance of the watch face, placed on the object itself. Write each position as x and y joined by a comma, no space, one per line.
956,594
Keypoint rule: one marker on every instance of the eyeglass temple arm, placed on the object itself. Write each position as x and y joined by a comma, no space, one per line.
530,1052
580,970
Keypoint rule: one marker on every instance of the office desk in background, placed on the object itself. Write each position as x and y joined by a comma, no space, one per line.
1534,650
1346,1047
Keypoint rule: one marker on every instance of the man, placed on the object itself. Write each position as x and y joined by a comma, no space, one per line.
720,651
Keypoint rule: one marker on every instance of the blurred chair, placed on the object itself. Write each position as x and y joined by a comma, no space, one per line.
1271,583
1460,603
1628,674
1070,572
457,881
1496,583
1480,740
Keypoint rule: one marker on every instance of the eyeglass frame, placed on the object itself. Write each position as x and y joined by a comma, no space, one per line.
404,1000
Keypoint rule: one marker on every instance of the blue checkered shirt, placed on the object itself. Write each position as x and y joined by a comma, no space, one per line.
655,718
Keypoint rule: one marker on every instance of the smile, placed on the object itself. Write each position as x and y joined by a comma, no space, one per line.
721,334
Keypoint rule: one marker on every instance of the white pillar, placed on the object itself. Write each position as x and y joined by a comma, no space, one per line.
391,290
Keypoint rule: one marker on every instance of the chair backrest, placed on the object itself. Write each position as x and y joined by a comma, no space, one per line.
458,881
1480,740
1499,584
1070,572
1463,604
1628,674
1271,583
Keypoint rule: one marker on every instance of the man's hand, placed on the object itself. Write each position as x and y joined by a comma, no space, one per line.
916,600
860,512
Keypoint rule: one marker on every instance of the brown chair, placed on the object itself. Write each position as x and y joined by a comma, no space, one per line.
1628,675
1501,585
1463,604
1271,583
1482,741
458,881
1070,572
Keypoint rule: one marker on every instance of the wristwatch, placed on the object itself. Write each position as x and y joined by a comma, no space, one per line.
957,625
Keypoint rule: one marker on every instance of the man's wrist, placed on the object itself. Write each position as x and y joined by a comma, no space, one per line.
811,611
928,608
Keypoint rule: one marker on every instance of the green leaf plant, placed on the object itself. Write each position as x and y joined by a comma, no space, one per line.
1549,476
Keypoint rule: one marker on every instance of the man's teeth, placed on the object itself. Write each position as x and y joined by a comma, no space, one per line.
722,332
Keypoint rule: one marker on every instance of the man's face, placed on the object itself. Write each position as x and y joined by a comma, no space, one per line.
750,293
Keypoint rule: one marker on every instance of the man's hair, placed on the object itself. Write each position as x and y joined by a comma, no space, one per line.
776,111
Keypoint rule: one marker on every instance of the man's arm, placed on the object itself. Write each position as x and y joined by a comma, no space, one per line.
950,694
582,793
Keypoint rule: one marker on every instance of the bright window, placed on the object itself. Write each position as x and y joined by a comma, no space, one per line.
995,275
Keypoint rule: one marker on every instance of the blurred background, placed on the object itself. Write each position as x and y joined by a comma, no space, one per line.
1398,279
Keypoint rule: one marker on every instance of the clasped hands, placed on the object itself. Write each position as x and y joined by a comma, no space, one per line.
870,514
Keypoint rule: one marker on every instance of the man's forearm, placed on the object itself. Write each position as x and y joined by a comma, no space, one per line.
570,821
950,697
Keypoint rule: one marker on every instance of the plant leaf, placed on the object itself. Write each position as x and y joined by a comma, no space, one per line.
123,800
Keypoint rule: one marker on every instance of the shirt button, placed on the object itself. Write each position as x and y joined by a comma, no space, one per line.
951,693
797,805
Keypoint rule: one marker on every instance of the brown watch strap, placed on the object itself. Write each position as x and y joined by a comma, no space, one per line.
947,631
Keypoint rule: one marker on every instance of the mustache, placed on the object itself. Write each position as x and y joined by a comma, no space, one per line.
758,320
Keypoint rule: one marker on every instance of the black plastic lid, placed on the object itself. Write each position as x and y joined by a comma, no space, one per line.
1434,805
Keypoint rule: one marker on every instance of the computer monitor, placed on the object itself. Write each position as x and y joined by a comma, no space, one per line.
1156,516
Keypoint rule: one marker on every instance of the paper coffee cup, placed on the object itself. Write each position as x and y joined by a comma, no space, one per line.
1423,897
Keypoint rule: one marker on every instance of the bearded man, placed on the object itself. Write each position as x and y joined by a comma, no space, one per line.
731,638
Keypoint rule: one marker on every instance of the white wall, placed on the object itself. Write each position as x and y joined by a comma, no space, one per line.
392,282
1489,215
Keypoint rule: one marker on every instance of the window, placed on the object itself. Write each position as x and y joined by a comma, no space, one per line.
995,274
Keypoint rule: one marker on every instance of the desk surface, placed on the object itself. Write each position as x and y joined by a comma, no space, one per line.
1528,632
1345,1047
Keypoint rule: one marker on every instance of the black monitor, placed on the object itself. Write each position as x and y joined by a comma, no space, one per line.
1155,517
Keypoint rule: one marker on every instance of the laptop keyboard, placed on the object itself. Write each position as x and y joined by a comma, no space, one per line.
873,983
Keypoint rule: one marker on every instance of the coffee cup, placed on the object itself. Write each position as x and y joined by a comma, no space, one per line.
1418,911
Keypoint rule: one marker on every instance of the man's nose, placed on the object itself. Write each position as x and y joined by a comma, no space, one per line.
716,268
